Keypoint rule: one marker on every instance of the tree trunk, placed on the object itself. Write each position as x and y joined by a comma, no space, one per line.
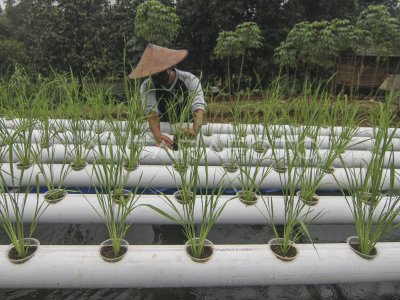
229,78
240,72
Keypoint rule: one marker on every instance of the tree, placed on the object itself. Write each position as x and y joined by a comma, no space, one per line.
70,35
156,23
382,30
202,21
249,35
228,46
310,43
318,10
319,43
16,18
11,52
120,27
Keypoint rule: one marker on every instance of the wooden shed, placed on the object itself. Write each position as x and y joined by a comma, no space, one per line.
365,69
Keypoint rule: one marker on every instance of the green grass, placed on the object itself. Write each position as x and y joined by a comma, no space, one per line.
374,216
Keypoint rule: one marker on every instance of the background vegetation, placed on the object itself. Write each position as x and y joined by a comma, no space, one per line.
106,37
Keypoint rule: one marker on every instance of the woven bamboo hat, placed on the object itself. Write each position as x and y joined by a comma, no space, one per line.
156,59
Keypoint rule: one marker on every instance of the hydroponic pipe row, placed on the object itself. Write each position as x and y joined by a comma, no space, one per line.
152,155
81,209
215,128
221,140
167,177
169,266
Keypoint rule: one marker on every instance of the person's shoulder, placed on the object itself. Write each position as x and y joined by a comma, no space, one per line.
184,75
146,85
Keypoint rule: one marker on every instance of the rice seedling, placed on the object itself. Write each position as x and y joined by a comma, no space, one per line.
278,156
186,166
72,108
183,153
135,128
47,131
23,149
252,174
116,203
260,145
181,156
346,114
197,246
296,213
78,141
217,144
238,140
241,118
42,109
12,211
5,134
208,130
52,176
15,96
309,176
231,165
93,130
374,213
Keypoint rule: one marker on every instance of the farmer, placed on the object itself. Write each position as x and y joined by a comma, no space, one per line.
168,93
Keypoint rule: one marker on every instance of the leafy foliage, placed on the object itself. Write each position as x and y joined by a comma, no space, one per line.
250,38
318,43
156,23
11,53
382,30
309,43
228,45
249,35
101,36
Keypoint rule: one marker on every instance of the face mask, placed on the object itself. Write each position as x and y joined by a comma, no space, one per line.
160,78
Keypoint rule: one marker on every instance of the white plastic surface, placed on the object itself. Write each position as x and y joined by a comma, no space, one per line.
169,266
78,209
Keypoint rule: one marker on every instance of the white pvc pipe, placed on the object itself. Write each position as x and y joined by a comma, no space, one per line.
86,124
323,131
169,266
152,155
224,128
167,177
81,209
67,137
224,140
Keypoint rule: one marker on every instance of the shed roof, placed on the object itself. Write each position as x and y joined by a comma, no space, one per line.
373,51
392,82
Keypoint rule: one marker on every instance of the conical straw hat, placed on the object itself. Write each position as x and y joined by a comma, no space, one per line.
156,59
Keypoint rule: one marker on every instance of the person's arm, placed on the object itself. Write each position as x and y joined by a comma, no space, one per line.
161,139
149,103
197,119
198,105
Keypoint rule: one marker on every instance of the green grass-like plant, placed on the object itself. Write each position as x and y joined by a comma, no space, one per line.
296,213
374,213
184,156
78,139
252,173
308,173
23,149
13,201
115,207
207,199
53,179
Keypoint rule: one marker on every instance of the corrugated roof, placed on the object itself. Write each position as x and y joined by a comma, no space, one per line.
392,82
373,51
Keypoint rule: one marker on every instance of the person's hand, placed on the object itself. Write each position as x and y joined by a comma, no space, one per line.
188,133
163,141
